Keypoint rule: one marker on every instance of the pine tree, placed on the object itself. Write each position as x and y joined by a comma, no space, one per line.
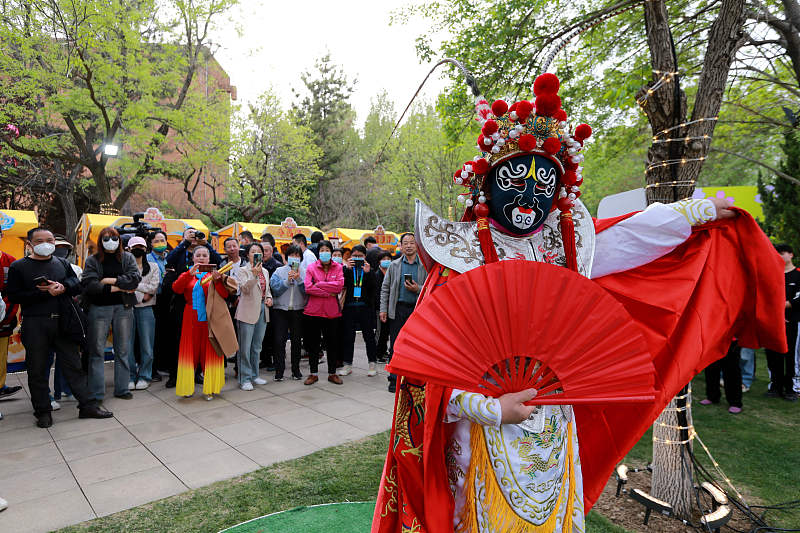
781,198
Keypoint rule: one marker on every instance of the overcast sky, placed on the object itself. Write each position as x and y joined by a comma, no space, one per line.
280,40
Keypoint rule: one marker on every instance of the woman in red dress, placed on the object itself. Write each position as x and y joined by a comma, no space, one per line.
195,346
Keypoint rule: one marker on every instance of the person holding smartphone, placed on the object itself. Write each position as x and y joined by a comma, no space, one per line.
110,279
359,310
252,315
289,292
400,290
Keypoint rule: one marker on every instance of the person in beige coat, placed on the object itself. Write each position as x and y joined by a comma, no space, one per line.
252,315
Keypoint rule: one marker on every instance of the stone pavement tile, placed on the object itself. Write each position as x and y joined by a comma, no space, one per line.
341,407
374,421
112,464
278,448
16,439
196,403
191,445
311,396
246,431
37,483
96,443
350,388
145,413
382,399
237,395
329,433
375,382
205,469
220,417
269,406
31,458
46,513
16,421
163,429
298,418
124,492
75,427
140,399
287,385
19,403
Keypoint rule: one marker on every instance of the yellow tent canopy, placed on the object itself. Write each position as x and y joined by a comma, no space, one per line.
282,232
15,226
90,225
349,237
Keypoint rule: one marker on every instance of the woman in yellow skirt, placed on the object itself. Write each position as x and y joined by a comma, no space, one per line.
196,346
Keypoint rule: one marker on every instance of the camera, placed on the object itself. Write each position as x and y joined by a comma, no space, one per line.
136,228
199,236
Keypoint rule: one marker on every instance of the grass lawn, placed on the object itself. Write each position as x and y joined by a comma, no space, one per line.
757,449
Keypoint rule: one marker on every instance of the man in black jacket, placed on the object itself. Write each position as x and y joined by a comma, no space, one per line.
358,310
44,285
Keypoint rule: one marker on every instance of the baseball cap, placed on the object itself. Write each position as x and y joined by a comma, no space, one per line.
137,241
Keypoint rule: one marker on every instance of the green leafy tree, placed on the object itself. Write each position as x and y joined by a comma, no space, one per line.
781,198
81,74
273,166
325,109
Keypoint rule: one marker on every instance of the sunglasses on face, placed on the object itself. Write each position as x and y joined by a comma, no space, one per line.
108,238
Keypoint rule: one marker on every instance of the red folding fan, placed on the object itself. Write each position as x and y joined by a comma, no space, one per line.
514,325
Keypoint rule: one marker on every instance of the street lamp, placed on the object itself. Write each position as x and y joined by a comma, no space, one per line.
111,150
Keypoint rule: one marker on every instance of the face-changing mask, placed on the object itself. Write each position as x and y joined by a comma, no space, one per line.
522,191
325,257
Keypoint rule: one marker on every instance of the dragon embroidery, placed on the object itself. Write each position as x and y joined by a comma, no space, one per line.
527,444
410,410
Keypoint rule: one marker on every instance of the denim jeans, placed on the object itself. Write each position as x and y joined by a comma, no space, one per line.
144,327
251,337
119,320
747,363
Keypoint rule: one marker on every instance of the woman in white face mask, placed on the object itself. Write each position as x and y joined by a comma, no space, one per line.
110,279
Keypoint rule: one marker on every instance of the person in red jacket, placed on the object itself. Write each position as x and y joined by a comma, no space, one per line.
7,325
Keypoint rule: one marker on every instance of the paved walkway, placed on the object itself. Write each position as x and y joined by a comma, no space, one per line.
81,469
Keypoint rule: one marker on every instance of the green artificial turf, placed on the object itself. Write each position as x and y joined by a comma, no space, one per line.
353,517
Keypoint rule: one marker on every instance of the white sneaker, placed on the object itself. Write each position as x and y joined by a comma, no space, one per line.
142,384
372,370
260,381
246,386
3,504
55,405
131,385
346,370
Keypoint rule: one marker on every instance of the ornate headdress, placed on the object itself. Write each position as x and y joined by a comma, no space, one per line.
525,128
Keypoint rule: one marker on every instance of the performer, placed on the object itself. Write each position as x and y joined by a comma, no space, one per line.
509,467
204,311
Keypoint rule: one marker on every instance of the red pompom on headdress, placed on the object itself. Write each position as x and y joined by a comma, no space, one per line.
560,115
527,142
499,108
547,104
480,167
524,109
583,132
551,145
546,83
489,127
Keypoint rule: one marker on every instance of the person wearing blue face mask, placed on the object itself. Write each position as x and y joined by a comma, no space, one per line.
323,282
384,260
289,300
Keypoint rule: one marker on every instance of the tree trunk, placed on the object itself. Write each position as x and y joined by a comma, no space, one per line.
674,161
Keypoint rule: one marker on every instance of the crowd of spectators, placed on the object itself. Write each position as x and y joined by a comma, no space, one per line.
183,314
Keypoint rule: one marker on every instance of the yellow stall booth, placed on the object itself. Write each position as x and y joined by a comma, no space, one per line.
348,237
15,226
90,225
282,232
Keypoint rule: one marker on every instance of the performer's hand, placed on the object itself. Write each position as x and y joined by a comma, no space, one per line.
513,408
723,208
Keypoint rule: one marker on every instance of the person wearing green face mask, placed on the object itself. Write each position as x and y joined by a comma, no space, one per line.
158,255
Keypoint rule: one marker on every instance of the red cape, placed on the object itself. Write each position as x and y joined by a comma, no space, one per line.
725,281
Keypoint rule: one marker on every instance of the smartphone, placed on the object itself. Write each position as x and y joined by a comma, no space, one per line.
206,268
257,258
41,281
295,266
409,278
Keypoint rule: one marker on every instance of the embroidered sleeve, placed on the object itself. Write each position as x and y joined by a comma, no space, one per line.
474,407
696,211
